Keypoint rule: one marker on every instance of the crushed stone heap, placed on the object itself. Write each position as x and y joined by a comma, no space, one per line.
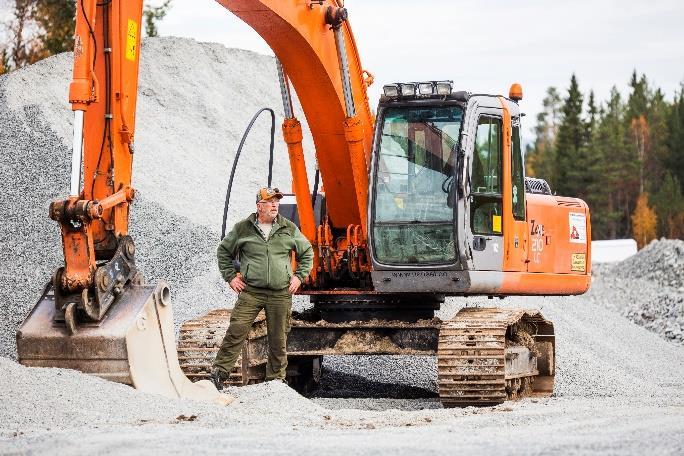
661,261
647,288
195,100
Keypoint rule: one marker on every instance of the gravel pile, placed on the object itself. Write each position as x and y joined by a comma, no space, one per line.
186,137
647,288
661,261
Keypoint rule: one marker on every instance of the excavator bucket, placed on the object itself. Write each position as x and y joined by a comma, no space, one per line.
133,344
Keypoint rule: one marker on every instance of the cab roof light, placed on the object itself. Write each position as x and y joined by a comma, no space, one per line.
515,93
408,90
391,90
443,87
425,88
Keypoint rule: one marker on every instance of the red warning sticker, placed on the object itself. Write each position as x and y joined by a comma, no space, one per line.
578,228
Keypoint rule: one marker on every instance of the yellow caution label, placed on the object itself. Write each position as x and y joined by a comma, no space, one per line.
131,40
579,262
496,223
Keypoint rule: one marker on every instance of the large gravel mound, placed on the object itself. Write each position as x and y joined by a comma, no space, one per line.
647,288
195,100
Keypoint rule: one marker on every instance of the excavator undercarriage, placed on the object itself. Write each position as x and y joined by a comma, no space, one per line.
485,356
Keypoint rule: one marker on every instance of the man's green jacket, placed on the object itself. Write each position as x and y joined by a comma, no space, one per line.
265,263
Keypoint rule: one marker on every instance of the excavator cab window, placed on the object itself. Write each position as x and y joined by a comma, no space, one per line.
414,174
486,201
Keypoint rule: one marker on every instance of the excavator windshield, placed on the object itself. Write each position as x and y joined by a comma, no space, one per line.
413,183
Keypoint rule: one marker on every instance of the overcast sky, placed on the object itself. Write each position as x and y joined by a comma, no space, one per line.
484,46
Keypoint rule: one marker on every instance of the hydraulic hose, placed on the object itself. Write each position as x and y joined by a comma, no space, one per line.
237,158
315,189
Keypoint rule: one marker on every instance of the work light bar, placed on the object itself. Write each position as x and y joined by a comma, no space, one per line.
418,89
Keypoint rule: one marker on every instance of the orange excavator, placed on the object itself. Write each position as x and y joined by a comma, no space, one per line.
426,201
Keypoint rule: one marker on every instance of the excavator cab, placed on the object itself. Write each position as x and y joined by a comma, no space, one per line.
450,210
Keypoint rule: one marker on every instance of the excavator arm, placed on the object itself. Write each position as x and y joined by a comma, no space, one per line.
103,94
97,315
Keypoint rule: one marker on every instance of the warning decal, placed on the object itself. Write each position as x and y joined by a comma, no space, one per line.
579,262
131,40
578,228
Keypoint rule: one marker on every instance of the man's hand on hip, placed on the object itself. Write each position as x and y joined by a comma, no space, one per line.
295,283
237,284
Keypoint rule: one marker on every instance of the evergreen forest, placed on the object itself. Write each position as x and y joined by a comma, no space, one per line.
624,156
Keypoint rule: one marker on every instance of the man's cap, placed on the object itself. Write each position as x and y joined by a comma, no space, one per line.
266,193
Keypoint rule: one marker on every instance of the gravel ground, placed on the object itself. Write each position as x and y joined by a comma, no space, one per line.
619,386
619,389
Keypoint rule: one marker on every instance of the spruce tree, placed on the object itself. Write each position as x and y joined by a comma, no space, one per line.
591,155
675,142
608,221
655,166
592,119
638,127
540,159
571,153
669,206
637,103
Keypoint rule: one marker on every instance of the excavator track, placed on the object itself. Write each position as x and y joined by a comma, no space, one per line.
200,340
486,356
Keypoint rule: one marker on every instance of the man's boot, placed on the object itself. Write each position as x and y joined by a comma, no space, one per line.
218,376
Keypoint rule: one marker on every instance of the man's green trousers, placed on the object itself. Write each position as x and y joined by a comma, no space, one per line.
278,308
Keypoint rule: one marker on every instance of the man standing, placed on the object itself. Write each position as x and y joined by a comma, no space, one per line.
262,242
